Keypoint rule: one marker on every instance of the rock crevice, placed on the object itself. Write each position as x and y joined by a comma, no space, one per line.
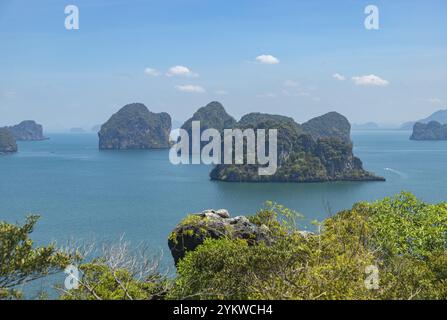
213,224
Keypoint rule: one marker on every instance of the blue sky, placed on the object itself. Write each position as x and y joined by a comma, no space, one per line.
78,78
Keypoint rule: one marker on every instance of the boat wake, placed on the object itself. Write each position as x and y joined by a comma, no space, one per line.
399,173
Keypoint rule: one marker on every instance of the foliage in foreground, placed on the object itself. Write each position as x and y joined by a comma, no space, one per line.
403,238
101,282
120,273
20,262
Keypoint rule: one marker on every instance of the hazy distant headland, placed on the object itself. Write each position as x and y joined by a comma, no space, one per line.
27,130
433,127
366,126
439,116
77,130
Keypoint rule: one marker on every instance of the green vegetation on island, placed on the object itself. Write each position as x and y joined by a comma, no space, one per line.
329,125
317,151
135,127
211,116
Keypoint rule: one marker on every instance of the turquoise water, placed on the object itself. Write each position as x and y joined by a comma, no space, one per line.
84,194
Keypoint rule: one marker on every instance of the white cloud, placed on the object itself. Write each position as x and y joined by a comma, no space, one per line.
8,94
270,95
370,80
180,71
221,92
267,59
435,100
151,72
339,77
295,89
297,93
291,83
191,88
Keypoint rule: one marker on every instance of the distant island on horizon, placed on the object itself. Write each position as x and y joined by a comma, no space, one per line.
438,116
429,131
27,130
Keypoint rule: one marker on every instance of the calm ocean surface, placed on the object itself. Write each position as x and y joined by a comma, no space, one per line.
84,194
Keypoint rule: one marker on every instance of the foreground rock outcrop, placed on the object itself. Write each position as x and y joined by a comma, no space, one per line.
135,127
214,224
430,131
27,130
7,141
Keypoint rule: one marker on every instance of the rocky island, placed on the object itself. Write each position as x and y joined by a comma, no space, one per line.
211,116
430,131
330,125
77,130
27,130
366,126
7,141
135,127
438,116
316,151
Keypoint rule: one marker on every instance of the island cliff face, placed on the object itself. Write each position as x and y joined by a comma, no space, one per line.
430,131
211,116
330,125
319,150
135,127
7,141
27,131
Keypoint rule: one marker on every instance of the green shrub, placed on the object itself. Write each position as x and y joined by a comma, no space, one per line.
100,281
21,263
402,236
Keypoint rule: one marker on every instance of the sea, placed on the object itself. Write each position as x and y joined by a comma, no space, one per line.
85,195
